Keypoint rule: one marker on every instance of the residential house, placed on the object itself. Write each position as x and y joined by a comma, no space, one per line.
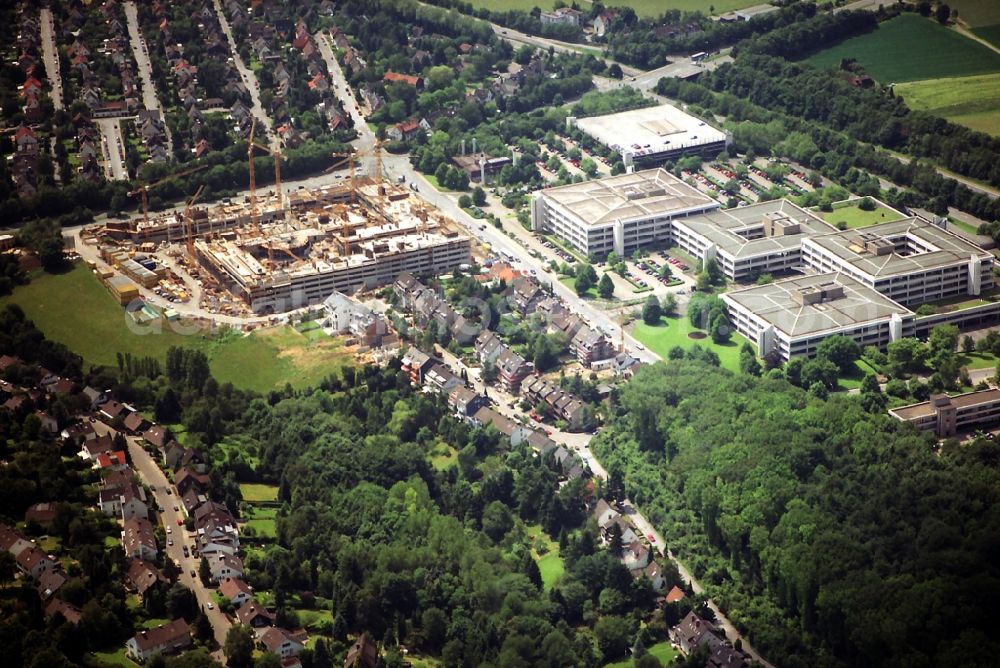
466,402
138,540
517,433
565,322
111,409
70,612
525,294
236,591
488,347
98,445
694,632
111,461
675,594
41,513
725,656
404,130
134,423
224,566
440,379
602,24
655,575
408,79
142,575
156,436
604,513
590,345
416,363
33,562
254,615
164,639
191,499
562,404
280,642
625,365
50,582
188,479
566,16
512,369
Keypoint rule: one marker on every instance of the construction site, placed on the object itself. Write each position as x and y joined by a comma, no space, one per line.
272,253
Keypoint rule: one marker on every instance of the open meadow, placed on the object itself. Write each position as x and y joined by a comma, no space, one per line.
76,310
970,101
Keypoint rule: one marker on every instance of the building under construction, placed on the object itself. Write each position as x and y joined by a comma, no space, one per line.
300,256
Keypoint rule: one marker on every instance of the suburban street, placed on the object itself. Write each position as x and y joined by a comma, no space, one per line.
139,50
111,142
166,498
51,57
249,79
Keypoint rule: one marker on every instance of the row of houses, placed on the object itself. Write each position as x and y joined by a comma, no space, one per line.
28,41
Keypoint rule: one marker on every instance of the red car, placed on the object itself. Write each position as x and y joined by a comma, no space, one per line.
651,537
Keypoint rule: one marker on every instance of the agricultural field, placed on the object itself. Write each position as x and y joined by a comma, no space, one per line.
648,8
977,13
970,101
93,325
888,54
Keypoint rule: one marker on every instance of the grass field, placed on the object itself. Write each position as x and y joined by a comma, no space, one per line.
662,651
262,521
674,332
92,324
990,33
550,564
114,658
855,217
977,13
650,8
255,492
888,54
443,457
570,283
970,101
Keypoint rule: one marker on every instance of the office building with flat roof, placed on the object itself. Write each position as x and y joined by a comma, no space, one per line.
619,213
790,318
745,242
946,416
910,261
654,134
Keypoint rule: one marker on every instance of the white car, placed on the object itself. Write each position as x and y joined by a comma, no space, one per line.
210,605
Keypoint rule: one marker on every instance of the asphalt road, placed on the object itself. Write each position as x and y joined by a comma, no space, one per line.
111,139
50,57
139,50
151,475
249,79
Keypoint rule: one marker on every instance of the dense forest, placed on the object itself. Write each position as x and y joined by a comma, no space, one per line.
837,537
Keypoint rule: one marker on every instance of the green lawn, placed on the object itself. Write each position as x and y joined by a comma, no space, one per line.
662,651
674,332
650,8
855,217
853,380
315,620
888,53
113,658
50,544
970,101
443,457
978,360
252,492
569,282
262,521
92,324
550,564
153,623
